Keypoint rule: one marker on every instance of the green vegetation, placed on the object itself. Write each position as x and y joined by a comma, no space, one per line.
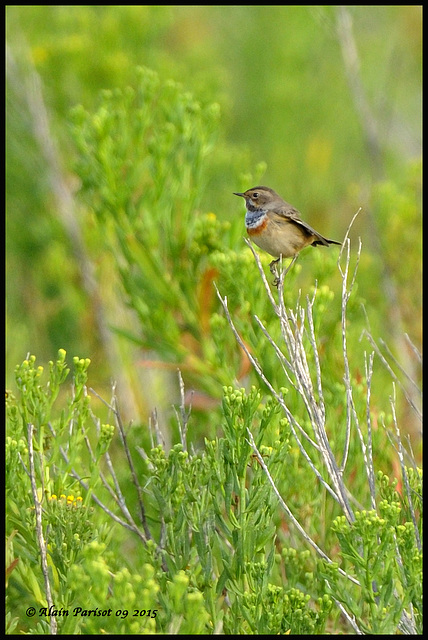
231,538
249,470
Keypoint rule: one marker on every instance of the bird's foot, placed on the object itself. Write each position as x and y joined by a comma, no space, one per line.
274,271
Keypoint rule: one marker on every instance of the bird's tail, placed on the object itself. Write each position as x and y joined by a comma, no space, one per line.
324,242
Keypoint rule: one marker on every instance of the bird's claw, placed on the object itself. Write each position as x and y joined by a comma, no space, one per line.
274,272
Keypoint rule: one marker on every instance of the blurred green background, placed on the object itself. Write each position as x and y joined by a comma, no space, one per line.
328,98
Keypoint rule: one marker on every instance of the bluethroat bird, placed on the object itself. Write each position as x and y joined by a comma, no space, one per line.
276,226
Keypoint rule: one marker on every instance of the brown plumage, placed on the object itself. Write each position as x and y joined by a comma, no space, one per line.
275,226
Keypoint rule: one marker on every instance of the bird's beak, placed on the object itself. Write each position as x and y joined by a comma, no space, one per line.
239,194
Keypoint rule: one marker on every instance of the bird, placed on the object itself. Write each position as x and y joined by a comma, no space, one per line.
275,226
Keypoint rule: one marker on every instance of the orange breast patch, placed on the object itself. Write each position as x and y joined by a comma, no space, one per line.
255,231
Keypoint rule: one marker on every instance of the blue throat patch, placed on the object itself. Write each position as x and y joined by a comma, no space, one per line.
254,218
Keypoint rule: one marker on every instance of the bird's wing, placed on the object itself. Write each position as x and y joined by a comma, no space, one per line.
286,210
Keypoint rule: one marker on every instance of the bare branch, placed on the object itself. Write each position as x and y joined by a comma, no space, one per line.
394,376
352,68
291,419
39,528
368,459
414,348
113,407
288,511
400,451
183,417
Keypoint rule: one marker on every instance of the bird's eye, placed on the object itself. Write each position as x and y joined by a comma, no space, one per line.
255,194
